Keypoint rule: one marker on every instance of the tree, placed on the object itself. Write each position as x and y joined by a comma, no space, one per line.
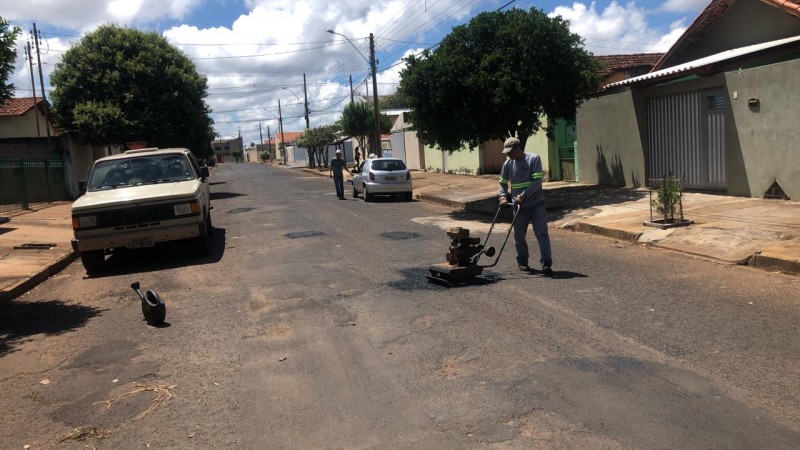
358,122
120,85
8,37
316,141
393,101
496,77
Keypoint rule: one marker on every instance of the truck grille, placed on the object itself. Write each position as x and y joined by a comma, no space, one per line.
141,214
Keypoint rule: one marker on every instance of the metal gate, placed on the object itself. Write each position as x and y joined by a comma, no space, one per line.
686,138
398,141
24,182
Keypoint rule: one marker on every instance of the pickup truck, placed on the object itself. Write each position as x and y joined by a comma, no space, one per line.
140,198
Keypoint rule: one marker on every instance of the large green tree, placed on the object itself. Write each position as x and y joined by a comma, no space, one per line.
497,77
358,121
8,54
119,85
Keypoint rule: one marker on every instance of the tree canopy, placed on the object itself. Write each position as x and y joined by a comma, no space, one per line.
496,77
120,85
8,55
358,121
315,141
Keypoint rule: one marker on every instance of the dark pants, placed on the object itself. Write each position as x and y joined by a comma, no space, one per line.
339,183
536,216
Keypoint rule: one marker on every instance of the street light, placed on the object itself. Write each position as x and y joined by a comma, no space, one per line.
371,61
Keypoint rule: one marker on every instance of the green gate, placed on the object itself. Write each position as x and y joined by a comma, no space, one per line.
24,182
566,137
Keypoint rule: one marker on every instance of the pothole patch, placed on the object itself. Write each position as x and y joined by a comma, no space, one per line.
400,235
304,234
239,210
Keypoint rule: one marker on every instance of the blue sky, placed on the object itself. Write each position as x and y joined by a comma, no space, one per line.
255,52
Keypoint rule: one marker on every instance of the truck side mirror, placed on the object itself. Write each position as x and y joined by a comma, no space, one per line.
204,172
82,187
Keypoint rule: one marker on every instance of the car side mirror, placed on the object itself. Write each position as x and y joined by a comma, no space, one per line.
204,172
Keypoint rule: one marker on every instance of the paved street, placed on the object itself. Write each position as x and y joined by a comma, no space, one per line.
311,325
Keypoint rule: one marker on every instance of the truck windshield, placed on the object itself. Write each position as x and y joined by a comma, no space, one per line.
139,170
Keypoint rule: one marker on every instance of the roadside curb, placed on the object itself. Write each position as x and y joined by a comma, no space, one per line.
51,269
774,264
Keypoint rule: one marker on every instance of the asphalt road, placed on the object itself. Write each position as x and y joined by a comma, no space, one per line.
311,325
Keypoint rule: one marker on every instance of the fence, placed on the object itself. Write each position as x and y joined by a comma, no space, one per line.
25,182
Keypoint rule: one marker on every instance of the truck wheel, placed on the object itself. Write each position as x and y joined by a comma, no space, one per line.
92,261
202,244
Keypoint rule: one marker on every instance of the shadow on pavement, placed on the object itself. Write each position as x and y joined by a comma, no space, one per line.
19,320
224,195
561,201
169,255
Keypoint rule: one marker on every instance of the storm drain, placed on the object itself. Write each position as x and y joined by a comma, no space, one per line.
239,210
303,234
29,246
400,235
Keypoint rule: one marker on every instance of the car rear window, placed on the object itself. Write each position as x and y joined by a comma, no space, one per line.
388,164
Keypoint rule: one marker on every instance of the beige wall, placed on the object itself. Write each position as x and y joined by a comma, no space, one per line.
763,143
546,149
24,126
610,150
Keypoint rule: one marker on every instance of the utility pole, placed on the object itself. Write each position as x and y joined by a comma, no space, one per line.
44,96
375,95
269,141
305,96
260,138
33,86
351,89
283,138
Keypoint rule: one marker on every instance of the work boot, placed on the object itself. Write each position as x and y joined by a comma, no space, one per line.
524,268
547,270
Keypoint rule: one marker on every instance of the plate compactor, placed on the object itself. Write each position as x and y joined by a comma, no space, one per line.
465,251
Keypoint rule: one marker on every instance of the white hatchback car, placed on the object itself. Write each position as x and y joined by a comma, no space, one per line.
382,176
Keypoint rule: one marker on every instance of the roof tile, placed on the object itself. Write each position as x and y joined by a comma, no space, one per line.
17,106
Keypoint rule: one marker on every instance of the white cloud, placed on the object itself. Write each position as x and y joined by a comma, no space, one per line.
86,15
617,29
683,6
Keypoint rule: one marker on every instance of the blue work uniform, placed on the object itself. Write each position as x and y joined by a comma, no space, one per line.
525,177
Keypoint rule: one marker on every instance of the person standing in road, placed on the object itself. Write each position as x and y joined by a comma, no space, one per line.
523,173
337,172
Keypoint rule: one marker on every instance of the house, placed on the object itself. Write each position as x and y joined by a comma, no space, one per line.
24,136
225,149
716,111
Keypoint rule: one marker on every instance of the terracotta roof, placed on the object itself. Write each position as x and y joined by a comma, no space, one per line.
17,106
790,6
613,63
290,136
706,19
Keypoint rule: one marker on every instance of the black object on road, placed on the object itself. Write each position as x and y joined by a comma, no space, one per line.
153,308
465,251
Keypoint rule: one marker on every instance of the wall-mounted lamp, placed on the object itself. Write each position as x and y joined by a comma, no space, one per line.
753,103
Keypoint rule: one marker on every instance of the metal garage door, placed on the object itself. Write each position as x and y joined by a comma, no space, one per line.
686,138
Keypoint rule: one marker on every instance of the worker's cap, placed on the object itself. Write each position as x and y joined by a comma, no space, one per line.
338,152
510,144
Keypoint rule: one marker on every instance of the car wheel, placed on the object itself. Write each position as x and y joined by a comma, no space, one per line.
93,261
367,195
408,196
355,192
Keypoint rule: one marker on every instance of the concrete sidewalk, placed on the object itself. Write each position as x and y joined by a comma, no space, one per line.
759,233
34,244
